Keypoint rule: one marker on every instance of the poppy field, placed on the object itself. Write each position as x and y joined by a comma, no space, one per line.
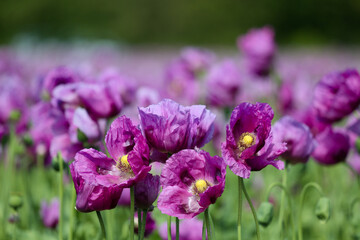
100,141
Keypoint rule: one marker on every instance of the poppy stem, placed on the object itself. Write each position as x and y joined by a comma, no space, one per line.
177,228
302,197
101,224
282,209
61,194
169,227
132,209
139,224
240,199
207,221
289,203
143,223
252,209
72,214
204,231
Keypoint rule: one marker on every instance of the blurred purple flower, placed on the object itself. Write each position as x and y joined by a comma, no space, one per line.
223,84
170,127
146,96
196,59
58,76
299,140
333,146
50,212
191,181
258,46
250,145
337,95
190,229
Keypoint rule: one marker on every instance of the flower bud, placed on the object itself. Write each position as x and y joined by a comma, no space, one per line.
15,201
322,209
81,136
146,191
265,213
15,115
56,165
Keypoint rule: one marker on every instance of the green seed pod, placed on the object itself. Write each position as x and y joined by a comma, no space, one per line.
265,213
15,201
322,209
15,115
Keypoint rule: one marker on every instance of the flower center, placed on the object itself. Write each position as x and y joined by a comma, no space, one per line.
124,163
201,185
246,140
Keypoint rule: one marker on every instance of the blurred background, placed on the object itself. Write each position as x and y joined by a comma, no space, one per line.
157,22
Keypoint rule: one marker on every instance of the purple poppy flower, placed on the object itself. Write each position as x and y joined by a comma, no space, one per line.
86,124
223,84
258,46
308,117
98,179
299,140
149,227
180,83
50,213
146,191
250,145
190,229
337,95
196,59
170,127
58,76
63,144
191,181
333,146
146,96
286,98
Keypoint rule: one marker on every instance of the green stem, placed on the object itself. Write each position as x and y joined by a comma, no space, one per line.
169,227
139,223
282,209
212,226
143,223
132,209
72,214
177,228
101,221
207,221
289,203
252,209
239,207
61,194
203,231
302,197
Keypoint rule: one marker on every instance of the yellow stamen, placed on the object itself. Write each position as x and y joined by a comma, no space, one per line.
247,139
201,185
124,161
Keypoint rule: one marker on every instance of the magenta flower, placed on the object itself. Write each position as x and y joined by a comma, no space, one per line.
258,46
337,95
50,212
190,229
58,76
191,181
299,140
196,59
250,145
332,146
99,180
223,84
170,127
147,191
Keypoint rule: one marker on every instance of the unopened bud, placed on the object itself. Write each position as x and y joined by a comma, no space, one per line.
322,209
81,136
15,115
15,201
265,213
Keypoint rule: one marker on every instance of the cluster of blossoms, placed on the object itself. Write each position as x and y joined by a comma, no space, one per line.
155,147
